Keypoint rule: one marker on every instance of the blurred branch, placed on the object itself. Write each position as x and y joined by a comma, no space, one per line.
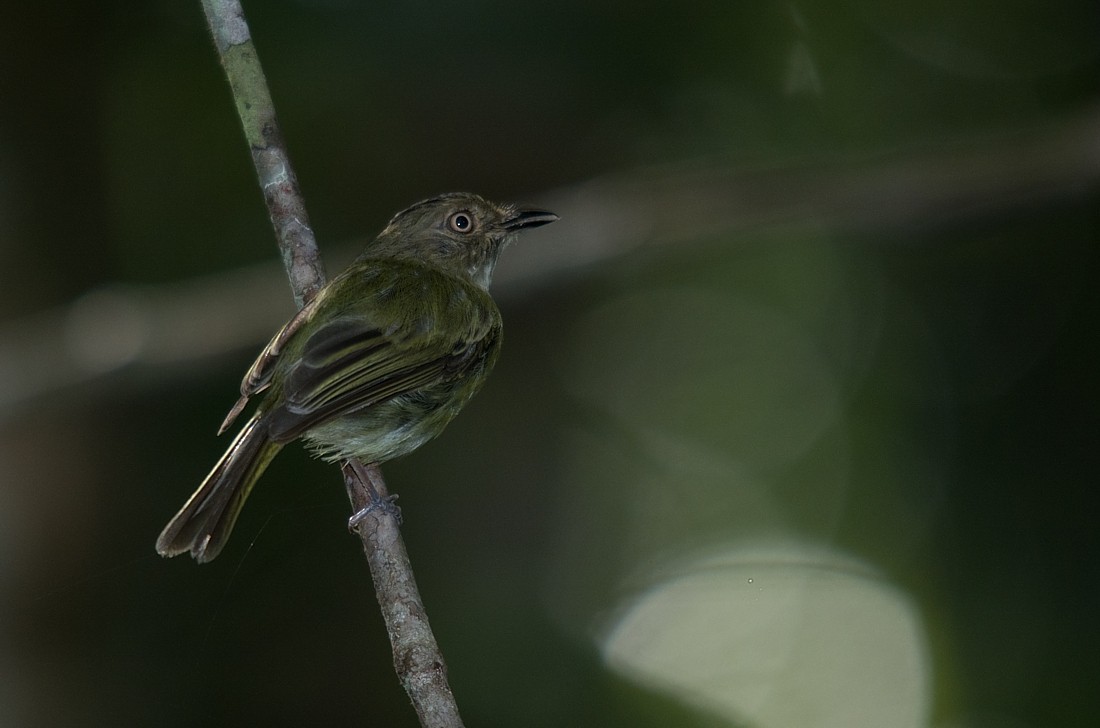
417,658
120,328
910,190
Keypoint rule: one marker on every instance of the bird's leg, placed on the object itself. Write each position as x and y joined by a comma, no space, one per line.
377,499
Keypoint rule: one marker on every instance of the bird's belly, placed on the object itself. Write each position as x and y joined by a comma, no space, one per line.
383,432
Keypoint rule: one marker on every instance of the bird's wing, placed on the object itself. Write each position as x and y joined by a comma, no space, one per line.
258,376
403,334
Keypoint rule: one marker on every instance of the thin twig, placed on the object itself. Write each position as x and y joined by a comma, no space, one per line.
417,658
261,129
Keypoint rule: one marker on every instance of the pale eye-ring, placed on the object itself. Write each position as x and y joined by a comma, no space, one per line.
461,222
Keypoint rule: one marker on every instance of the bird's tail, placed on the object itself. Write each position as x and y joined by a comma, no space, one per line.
203,525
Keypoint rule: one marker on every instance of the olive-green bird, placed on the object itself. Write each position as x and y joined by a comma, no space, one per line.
376,365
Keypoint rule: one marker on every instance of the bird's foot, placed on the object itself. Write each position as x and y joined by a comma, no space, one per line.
379,503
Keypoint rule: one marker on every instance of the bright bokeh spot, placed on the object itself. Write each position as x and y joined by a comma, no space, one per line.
778,637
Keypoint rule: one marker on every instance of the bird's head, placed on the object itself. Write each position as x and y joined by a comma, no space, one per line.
459,232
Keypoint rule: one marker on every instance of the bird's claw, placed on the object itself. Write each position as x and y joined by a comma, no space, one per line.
385,505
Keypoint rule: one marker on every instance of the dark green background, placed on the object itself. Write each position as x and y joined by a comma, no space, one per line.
955,453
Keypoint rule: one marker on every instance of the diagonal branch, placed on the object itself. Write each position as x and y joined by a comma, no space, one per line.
417,658
261,129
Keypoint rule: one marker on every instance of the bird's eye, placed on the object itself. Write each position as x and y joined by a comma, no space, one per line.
461,222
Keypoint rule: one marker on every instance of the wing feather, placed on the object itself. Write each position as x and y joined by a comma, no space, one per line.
355,361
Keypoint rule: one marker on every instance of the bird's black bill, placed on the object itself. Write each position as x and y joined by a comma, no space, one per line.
523,219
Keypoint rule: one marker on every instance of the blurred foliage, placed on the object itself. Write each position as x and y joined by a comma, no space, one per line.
923,401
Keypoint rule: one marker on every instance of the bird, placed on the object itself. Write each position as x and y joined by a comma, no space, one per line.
375,365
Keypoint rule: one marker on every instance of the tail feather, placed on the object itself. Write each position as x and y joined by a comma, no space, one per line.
203,525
